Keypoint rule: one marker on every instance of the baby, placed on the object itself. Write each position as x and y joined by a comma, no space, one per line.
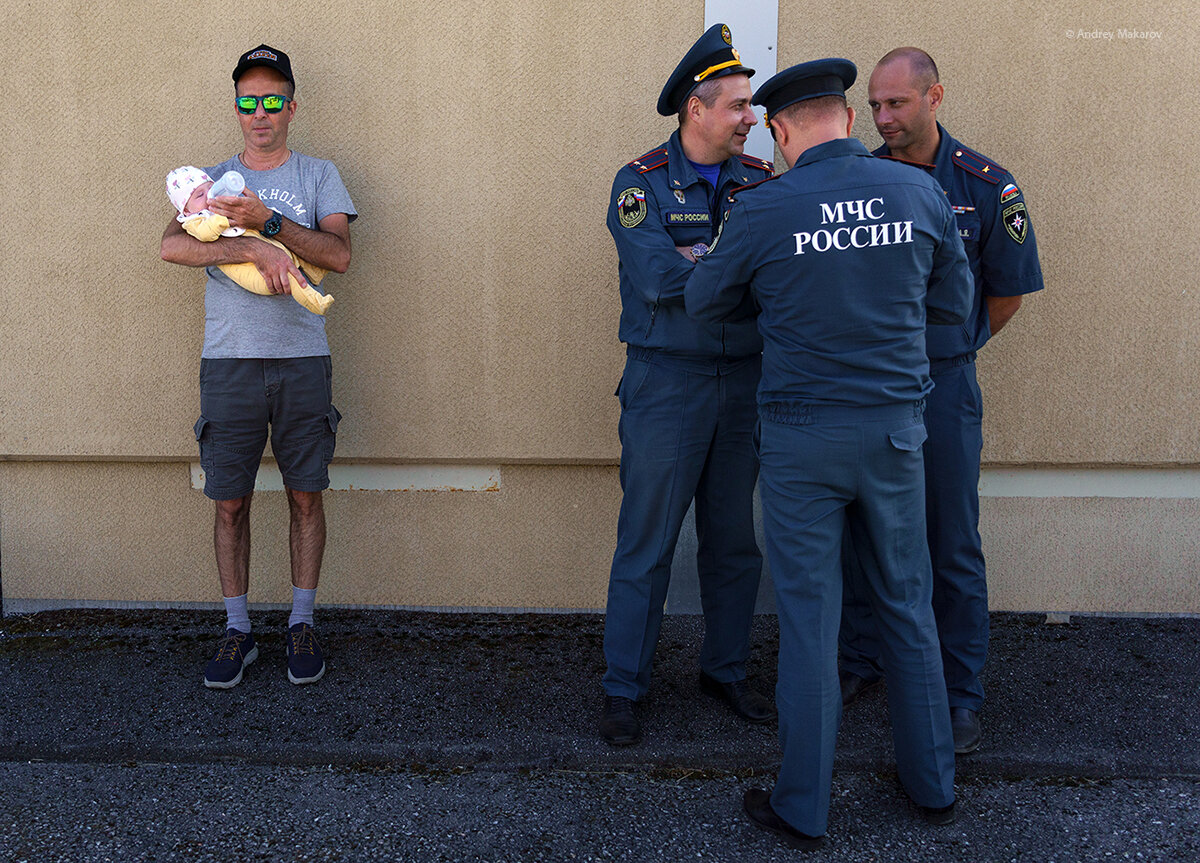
188,188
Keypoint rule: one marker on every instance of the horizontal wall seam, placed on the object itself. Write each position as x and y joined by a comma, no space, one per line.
1163,482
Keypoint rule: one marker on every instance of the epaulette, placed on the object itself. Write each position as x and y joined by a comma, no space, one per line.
755,162
734,191
654,159
979,165
908,162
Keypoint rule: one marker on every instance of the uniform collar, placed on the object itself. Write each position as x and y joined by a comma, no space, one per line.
942,168
943,162
681,174
832,149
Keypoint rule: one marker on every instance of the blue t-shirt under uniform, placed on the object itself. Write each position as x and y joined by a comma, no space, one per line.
245,325
708,172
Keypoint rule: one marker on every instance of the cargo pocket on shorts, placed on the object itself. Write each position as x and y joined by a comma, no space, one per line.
205,443
331,426
909,439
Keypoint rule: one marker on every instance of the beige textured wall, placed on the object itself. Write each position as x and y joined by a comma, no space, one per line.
1127,555
139,533
478,320
1101,367
478,139
106,532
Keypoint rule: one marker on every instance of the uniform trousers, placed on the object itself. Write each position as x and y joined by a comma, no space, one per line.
825,473
954,418
687,433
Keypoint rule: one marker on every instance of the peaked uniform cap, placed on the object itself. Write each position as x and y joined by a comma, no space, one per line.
830,77
713,56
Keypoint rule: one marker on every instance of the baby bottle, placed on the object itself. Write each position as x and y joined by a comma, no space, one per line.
231,183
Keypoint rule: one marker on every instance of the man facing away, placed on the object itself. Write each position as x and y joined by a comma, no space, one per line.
844,257
686,395
265,363
904,94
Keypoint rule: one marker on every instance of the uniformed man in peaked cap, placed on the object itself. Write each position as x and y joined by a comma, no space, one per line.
687,395
845,257
904,94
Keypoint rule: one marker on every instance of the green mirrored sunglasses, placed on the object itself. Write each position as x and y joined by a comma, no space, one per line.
271,104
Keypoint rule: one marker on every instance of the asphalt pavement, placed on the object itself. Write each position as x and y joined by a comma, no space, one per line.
472,737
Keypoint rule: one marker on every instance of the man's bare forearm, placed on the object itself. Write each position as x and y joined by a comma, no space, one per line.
326,246
1001,310
179,247
323,248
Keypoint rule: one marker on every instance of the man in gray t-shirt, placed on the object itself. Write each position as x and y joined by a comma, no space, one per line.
265,364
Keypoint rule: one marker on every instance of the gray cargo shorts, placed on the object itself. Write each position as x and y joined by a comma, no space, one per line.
240,399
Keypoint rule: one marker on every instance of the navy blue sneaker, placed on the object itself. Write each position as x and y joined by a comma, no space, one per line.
234,653
304,659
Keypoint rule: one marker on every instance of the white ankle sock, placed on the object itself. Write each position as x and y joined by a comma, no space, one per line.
237,616
302,606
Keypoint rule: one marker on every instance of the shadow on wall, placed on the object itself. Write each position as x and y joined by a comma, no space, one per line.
683,595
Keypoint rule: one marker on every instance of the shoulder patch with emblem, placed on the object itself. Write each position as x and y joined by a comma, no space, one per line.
1016,221
978,164
631,207
1009,192
755,162
654,159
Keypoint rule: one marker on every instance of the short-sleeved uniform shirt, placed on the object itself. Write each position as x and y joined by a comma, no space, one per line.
994,225
659,201
847,257
241,324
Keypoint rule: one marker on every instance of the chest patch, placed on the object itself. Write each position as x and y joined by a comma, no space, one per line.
687,217
631,207
968,223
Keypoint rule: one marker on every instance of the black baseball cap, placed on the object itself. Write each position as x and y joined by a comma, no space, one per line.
264,55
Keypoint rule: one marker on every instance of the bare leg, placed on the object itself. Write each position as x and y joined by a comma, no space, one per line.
231,539
307,537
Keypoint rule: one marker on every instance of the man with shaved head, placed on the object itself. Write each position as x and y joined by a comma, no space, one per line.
904,94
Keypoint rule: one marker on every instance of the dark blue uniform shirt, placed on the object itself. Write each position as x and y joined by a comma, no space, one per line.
993,223
659,202
847,257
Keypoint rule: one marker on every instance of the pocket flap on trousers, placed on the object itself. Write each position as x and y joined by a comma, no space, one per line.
909,439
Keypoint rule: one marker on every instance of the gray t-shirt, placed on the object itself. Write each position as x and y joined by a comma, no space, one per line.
241,324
